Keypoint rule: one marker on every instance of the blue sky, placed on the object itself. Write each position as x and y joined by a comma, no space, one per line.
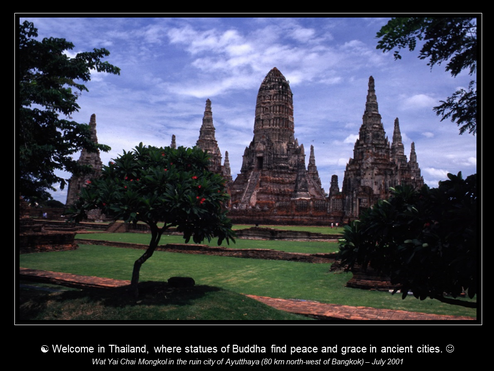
170,66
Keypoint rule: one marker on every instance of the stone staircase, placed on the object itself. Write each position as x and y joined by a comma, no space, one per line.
251,186
116,227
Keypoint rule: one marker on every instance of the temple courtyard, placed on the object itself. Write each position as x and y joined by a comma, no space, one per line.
90,282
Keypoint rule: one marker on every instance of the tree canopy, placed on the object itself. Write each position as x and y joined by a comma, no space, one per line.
452,40
49,84
425,240
162,187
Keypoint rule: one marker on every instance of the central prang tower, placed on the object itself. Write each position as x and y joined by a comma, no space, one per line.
274,109
273,170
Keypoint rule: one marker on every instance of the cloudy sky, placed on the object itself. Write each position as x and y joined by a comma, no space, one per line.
170,66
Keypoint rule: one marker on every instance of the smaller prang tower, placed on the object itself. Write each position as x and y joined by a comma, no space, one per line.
93,159
76,183
207,142
376,165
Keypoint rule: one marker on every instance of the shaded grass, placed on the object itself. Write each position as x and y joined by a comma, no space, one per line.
279,279
157,302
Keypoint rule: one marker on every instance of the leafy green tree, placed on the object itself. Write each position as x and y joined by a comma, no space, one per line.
49,83
452,40
162,187
425,241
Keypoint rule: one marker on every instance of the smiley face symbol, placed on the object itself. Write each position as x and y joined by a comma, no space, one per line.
450,348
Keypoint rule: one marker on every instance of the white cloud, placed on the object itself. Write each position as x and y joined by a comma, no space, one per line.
404,137
239,60
205,88
418,101
351,138
303,34
207,41
472,161
436,173
433,176
331,80
322,161
171,65
358,54
154,33
462,160
59,194
240,50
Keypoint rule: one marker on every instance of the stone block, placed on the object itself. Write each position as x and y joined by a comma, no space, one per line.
181,282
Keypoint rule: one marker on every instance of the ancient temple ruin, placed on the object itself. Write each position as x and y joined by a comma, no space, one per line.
207,142
93,159
274,184
376,165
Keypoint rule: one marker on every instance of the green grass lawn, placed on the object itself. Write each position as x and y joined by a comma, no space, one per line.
282,279
310,247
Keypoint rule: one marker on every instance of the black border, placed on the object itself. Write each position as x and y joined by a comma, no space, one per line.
467,337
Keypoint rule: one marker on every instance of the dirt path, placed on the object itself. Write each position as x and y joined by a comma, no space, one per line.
346,312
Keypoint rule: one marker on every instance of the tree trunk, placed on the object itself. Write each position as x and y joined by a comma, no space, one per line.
155,238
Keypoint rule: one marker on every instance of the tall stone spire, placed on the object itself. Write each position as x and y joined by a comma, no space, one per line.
313,173
274,109
371,103
207,141
273,172
274,145
207,129
92,127
397,148
397,133
413,154
376,166
76,183
333,187
312,158
301,182
174,142
372,137
227,171
370,170
416,177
